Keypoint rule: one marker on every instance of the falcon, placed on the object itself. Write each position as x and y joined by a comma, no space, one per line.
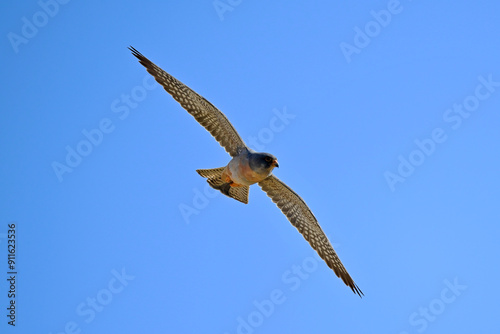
248,167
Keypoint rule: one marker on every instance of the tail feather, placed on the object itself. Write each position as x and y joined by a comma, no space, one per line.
213,177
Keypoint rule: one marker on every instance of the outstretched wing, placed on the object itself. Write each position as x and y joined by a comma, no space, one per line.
299,214
203,111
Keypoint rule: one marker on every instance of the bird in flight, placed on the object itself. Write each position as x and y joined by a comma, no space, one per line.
248,167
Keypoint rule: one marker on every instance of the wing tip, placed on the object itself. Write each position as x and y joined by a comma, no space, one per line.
356,290
142,59
349,282
135,52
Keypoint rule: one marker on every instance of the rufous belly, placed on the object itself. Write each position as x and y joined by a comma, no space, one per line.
239,173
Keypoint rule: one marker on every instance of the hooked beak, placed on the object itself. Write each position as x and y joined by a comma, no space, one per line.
275,163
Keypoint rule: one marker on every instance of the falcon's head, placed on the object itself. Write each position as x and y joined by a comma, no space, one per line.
262,163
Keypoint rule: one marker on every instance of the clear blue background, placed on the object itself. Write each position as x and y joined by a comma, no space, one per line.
120,207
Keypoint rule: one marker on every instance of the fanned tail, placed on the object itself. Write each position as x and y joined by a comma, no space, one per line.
213,177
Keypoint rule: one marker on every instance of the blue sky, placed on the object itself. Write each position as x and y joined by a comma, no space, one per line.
384,118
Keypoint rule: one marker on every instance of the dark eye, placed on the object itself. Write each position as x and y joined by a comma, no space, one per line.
268,159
